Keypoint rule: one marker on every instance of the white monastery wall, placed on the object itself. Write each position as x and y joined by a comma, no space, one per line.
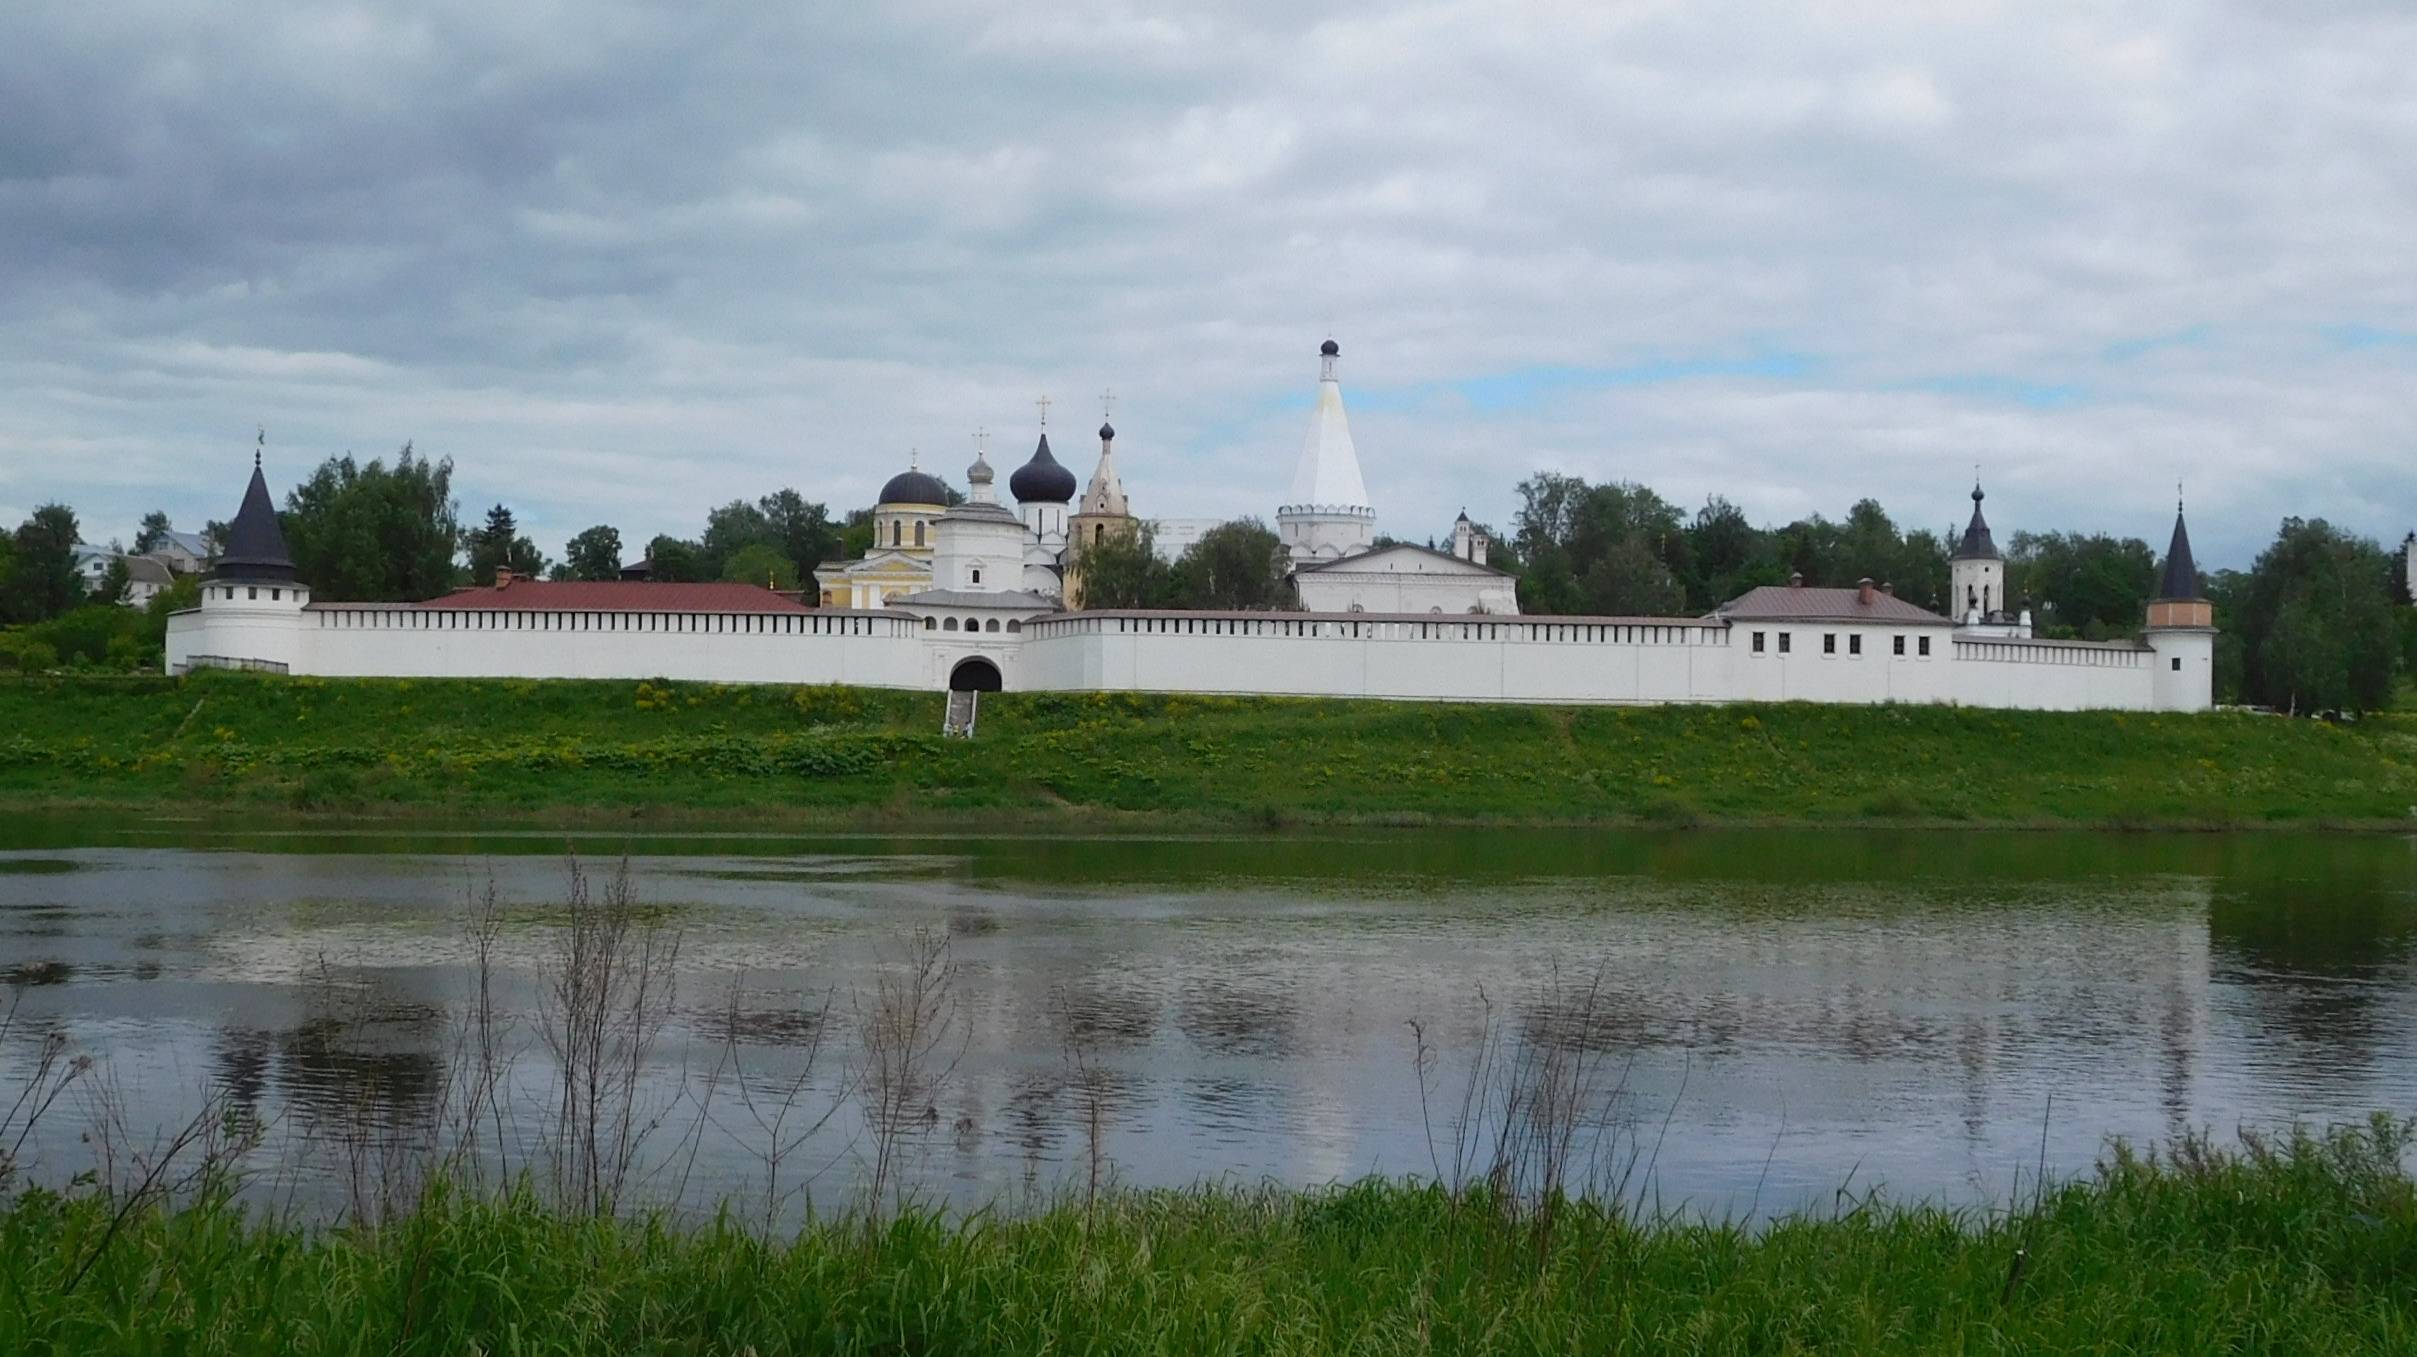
1467,658
872,649
2054,675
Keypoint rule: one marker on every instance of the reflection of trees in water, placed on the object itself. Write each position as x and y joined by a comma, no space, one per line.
239,1061
1088,1016
1227,1018
787,1025
385,1074
2322,962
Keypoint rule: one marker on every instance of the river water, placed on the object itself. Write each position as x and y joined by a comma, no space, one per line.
1752,1020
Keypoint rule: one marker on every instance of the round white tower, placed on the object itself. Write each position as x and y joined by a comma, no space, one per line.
2181,632
1327,515
251,604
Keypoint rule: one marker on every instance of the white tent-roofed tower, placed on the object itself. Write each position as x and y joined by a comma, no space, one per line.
1327,516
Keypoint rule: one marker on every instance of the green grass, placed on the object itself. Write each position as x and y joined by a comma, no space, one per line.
561,750
2309,1245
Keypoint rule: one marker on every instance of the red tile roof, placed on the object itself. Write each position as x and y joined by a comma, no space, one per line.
625,596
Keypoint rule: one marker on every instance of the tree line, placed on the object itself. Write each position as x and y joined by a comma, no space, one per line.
2319,622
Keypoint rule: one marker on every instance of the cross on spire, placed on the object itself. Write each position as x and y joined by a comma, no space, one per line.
981,441
1043,402
258,444
1107,403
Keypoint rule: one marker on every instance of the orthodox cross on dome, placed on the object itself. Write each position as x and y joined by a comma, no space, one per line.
1043,402
981,441
1107,403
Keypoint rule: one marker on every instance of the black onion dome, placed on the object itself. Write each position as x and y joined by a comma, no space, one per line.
1330,349
914,487
1107,431
255,545
1041,480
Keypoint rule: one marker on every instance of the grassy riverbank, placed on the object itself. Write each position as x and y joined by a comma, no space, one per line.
562,752
2309,1246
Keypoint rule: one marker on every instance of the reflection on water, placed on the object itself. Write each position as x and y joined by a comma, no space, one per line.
1899,1007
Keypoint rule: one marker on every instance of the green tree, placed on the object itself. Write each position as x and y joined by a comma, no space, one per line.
499,545
1574,537
1728,556
1125,572
373,532
2316,624
153,531
671,558
730,530
761,564
856,535
594,554
1628,580
114,582
802,528
2099,584
42,581
1237,566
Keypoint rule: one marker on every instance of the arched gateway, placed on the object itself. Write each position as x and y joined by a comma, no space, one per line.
976,675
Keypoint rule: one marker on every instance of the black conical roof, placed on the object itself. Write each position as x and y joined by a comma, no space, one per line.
1041,480
2181,580
1976,545
255,545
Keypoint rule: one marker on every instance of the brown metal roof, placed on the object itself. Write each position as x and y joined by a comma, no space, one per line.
1782,603
1505,619
624,596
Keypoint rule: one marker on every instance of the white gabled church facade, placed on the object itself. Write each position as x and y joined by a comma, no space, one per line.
972,596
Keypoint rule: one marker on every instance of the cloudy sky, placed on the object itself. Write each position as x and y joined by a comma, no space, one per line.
622,262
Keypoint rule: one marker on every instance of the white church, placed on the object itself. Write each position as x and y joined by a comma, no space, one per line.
980,597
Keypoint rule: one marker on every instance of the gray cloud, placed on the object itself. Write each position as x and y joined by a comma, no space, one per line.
622,262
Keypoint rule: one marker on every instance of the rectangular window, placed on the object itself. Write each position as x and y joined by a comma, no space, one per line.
1758,643
1783,642
1854,644
2177,664
251,591
1925,647
1900,644
1829,643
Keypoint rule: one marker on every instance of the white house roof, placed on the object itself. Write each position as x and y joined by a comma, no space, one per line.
191,543
1328,474
1400,558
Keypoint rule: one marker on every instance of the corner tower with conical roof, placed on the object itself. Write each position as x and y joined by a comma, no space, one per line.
2181,630
251,601
1326,515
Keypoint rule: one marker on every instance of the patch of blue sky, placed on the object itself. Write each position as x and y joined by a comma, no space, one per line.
1528,386
2363,336
2037,395
2123,351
